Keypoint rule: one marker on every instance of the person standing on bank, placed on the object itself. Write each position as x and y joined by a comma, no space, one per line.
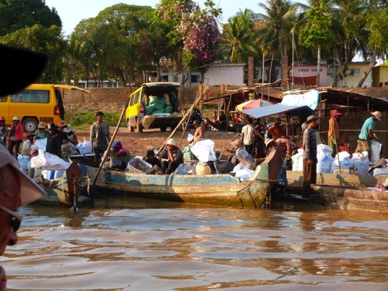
366,135
333,132
309,155
15,137
99,137
248,136
3,131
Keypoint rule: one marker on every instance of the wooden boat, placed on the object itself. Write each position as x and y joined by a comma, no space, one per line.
219,189
295,180
65,190
334,191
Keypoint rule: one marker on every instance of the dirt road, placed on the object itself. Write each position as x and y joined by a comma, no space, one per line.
139,143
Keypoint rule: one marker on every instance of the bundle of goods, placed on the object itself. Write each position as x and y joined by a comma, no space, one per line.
345,162
157,104
360,163
324,158
297,161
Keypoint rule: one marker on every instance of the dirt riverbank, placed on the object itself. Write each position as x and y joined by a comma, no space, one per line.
139,143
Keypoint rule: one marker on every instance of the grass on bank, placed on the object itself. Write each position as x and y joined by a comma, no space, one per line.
81,118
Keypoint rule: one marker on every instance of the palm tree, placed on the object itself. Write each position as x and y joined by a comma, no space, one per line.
239,37
276,25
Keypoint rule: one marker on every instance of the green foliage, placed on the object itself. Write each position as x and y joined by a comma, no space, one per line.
18,14
317,31
45,40
377,23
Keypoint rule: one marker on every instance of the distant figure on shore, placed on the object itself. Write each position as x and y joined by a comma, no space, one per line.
309,155
99,137
367,135
333,132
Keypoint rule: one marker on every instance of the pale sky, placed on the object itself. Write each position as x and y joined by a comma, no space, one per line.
73,11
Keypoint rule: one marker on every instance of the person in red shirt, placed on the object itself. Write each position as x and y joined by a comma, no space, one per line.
15,138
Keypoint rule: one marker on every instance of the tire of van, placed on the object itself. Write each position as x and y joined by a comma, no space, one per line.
163,128
30,124
139,128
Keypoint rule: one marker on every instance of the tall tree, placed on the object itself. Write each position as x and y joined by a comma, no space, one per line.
45,40
317,32
239,37
18,14
276,24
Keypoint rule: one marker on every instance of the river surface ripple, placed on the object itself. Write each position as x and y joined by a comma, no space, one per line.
169,246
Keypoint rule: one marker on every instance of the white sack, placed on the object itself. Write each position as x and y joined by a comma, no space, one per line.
41,143
361,163
204,150
375,148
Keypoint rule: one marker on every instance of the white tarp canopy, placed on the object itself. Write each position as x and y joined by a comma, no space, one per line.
308,101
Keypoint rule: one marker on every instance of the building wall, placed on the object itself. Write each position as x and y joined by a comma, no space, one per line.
353,75
380,76
230,74
301,71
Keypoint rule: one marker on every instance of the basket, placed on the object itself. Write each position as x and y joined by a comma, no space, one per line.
137,165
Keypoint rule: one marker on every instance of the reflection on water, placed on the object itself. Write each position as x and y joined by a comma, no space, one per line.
143,245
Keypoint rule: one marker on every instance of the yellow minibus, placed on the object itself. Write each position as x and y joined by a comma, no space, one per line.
37,102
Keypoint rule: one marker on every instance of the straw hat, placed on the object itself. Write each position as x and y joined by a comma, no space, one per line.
377,114
311,118
237,143
172,142
268,141
29,190
41,125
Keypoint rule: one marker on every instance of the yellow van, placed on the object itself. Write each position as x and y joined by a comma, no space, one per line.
154,105
37,102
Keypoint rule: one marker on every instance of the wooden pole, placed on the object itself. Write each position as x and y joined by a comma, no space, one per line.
183,118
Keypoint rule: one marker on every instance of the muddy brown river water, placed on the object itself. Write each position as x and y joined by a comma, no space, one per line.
153,245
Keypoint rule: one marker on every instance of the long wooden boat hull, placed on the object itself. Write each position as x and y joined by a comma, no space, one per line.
221,190
64,190
295,180
334,197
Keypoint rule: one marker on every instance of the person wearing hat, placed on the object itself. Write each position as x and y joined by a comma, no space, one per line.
283,144
15,138
240,152
55,140
309,155
99,137
174,157
366,135
333,132
276,130
71,135
26,147
3,131
17,189
41,132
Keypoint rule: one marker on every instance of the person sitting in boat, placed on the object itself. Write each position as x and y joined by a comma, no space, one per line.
240,153
154,161
118,155
174,158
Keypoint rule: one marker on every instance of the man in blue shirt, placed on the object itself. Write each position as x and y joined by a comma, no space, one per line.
366,134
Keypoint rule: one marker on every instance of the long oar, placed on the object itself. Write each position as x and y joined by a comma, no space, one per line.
110,144
183,119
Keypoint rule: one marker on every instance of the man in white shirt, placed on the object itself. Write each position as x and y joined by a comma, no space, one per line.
247,136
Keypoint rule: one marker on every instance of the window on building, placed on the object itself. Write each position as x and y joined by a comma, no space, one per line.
195,78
